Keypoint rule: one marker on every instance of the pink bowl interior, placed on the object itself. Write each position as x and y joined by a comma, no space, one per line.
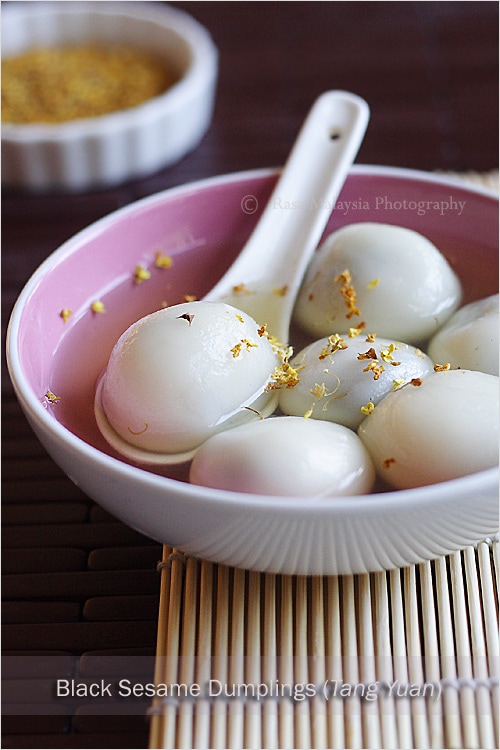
202,228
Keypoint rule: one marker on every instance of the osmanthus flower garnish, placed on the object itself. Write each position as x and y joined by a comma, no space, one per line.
141,274
65,314
396,278
98,306
51,398
348,292
345,376
163,261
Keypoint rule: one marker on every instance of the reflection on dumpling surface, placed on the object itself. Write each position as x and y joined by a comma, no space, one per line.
470,338
392,278
180,374
445,427
286,456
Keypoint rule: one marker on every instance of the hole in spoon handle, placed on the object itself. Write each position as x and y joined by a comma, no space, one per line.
305,195
291,225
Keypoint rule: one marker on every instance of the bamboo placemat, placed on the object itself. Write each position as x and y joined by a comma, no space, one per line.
400,659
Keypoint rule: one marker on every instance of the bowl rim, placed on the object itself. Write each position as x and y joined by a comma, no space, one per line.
201,69
347,505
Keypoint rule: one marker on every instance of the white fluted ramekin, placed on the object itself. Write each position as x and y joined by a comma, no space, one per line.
105,151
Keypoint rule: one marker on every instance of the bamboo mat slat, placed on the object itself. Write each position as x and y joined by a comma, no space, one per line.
399,659
429,631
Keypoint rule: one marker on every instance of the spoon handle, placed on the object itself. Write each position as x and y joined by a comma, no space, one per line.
290,227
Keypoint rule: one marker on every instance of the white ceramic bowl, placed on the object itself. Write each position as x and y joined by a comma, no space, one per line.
105,151
202,226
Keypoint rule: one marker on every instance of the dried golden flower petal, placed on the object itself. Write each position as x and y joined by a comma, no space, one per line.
386,354
370,406
371,338
249,344
282,291
284,376
318,391
262,331
349,296
241,289
239,317
369,354
141,274
373,283
163,261
238,348
397,383
442,368
335,344
65,314
284,352
51,397
98,306
189,297
345,277
388,462
348,293
416,381
353,332
375,368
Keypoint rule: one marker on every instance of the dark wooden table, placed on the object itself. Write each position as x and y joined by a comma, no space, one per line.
76,580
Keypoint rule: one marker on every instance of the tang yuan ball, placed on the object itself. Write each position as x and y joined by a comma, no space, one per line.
289,456
445,428
180,374
393,279
340,379
469,339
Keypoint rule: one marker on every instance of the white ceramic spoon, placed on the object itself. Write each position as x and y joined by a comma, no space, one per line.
270,268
